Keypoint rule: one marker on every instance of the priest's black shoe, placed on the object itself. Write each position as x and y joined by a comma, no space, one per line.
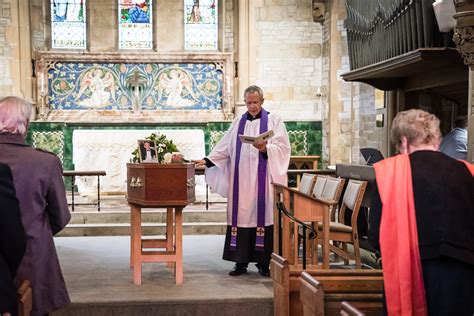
239,268
263,269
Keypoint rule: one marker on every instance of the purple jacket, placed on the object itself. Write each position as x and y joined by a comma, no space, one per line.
37,176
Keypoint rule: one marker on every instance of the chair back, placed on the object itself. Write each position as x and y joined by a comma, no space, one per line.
333,189
352,200
319,186
306,183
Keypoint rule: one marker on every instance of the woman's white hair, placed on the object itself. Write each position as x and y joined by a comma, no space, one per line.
418,126
14,115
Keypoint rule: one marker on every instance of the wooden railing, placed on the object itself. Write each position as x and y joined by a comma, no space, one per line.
312,232
74,173
306,209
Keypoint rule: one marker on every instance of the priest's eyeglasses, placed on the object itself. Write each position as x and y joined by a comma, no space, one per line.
253,102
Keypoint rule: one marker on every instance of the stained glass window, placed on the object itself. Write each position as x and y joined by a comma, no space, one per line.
200,24
68,24
135,24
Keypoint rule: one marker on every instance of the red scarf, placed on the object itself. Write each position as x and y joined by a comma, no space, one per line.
403,278
469,166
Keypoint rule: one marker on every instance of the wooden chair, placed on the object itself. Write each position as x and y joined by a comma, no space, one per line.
343,234
306,183
25,298
349,310
306,209
328,189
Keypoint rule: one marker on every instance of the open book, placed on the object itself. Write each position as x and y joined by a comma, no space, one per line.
256,139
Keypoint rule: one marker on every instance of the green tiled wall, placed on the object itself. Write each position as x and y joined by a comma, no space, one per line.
305,137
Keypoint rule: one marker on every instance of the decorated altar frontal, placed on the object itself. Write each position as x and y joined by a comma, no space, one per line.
111,150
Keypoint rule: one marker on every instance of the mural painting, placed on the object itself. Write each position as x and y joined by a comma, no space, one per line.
120,86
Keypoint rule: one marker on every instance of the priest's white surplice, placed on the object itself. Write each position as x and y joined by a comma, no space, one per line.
220,177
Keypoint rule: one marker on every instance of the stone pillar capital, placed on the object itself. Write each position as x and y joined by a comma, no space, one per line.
464,39
464,32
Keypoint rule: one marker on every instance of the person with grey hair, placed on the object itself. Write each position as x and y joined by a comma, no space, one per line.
422,219
244,173
37,177
454,144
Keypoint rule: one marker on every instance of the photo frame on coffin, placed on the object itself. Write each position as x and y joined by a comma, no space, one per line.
148,151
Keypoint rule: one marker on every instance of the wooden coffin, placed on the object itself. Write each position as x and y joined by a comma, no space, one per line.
153,184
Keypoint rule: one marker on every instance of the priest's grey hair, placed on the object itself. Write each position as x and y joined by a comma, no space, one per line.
253,89
14,115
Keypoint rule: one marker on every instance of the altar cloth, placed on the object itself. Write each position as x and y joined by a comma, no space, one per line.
111,150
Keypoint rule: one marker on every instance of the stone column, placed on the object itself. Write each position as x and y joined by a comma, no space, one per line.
243,55
16,53
464,39
340,115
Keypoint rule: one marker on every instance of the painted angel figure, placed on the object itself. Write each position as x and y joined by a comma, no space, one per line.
67,10
174,84
101,86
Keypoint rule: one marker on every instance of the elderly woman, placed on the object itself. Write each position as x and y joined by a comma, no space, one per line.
37,177
422,220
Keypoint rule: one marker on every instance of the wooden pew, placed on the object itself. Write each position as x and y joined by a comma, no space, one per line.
362,288
349,310
25,298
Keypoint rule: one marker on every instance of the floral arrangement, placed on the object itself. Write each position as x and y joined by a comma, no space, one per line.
164,147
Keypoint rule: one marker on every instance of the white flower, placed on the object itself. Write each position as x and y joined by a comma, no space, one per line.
167,158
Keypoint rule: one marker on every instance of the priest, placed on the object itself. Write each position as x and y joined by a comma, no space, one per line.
244,172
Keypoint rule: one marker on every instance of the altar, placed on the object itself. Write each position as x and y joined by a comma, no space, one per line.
111,150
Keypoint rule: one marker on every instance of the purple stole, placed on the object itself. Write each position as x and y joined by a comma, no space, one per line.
261,182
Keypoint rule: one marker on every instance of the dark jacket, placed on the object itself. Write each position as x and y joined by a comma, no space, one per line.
12,241
37,176
443,190
152,152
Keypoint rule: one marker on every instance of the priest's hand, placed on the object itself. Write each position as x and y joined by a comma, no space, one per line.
200,162
262,147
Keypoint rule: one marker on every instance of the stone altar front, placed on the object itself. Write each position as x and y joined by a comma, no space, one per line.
111,150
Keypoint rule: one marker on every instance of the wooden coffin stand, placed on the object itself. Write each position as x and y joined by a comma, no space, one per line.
153,185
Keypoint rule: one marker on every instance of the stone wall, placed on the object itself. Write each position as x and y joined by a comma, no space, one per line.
288,58
229,29
349,117
294,59
6,82
365,132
